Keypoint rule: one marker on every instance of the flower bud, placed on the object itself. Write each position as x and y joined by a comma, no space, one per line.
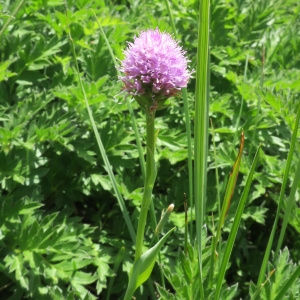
164,218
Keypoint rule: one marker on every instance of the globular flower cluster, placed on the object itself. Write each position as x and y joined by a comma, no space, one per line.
154,66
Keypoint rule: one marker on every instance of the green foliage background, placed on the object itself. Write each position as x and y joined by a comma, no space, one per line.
62,235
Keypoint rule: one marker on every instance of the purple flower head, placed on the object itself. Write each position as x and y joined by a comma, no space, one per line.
155,68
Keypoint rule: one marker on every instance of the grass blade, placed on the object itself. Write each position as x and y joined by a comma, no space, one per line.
171,17
103,153
235,226
201,125
281,196
216,167
188,132
226,204
289,206
133,121
190,157
230,187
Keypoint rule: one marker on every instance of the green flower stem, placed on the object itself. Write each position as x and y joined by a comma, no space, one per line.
149,182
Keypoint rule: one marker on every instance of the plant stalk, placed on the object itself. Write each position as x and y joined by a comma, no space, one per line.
149,182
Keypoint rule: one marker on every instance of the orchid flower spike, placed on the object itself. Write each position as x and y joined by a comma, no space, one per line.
155,68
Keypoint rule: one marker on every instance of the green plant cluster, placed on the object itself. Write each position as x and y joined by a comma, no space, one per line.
62,233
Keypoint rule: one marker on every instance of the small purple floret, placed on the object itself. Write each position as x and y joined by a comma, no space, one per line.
154,65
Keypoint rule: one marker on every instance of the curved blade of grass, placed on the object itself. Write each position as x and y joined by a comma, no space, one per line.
201,126
103,153
230,187
235,227
171,17
188,133
238,120
213,241
216,166
226,204
133,121
190,157
213,244
296,180
280,203
289,206
255,129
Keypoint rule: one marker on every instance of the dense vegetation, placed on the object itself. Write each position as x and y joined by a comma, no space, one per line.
62,232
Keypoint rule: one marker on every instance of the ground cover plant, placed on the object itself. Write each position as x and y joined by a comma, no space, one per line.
223,219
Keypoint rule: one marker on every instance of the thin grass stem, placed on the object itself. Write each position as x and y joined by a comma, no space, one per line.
280,202
218,199
258,100
133,120
216,167
242,103
188,133
171,18
225,207
235,227
289,205
201,126
103,153
190,160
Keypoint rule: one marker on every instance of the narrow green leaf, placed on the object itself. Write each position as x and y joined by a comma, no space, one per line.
103,153
226,203
188,132
133,120
201,125
230,187
235,227
142,268
289,205
281,197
